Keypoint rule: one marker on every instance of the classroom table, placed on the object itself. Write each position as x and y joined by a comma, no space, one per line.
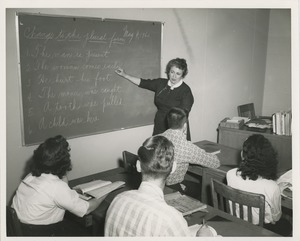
229,158
225,224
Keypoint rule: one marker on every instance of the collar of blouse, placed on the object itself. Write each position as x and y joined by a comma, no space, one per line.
176,85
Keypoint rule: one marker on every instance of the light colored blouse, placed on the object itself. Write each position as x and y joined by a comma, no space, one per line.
262,186
43,200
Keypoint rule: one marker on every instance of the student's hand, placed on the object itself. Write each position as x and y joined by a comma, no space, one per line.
120,72
101,199
94,203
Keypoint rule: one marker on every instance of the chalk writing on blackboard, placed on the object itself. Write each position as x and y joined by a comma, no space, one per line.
67,74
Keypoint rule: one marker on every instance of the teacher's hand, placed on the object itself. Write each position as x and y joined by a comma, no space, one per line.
120,72
131,78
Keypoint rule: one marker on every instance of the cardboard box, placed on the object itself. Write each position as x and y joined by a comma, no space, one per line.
228,123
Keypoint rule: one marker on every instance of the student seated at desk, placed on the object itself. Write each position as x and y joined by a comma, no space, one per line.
185,151
43,196
257,173
144,212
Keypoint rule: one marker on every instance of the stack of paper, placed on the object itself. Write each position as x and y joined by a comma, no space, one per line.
185,204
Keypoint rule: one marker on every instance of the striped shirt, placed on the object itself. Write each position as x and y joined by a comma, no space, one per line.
144,212
186,152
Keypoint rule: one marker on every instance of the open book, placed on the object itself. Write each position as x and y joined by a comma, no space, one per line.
184,204
97,188
285,184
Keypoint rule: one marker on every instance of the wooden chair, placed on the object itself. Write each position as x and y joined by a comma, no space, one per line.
246,110
222,194
13,223
129,160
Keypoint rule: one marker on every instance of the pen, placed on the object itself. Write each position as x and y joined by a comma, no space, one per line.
203,223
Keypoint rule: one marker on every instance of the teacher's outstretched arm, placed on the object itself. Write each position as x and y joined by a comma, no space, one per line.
132,79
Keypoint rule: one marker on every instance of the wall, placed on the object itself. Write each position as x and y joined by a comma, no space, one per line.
226,54
278,68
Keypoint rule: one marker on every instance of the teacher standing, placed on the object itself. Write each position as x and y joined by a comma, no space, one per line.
170,92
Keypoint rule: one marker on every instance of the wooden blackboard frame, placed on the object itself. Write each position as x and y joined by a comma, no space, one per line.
147,96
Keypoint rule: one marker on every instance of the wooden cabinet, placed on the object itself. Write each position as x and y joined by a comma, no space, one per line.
282,144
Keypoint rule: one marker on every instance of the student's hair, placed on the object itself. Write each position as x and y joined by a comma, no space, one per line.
176,118
180,64
259,159
53,157
156,156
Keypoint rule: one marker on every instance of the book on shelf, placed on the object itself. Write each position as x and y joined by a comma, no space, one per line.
184,204
282,123
97,188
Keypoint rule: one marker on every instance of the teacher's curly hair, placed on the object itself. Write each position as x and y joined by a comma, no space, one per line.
52,156
258,159
180,64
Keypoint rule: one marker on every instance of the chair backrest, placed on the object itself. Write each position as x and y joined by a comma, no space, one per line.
13,223
129,160
222,194
246,110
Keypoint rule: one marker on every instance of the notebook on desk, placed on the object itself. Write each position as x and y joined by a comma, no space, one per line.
97,188
210,147
185,204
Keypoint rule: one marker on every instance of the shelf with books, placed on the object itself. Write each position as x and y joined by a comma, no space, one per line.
282,123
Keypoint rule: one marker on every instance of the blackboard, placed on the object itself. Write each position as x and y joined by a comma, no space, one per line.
67,79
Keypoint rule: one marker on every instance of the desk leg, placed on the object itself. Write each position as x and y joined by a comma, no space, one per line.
287,214
98,227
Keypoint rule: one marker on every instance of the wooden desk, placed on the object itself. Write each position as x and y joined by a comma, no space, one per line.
229,158
97,217
225,224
